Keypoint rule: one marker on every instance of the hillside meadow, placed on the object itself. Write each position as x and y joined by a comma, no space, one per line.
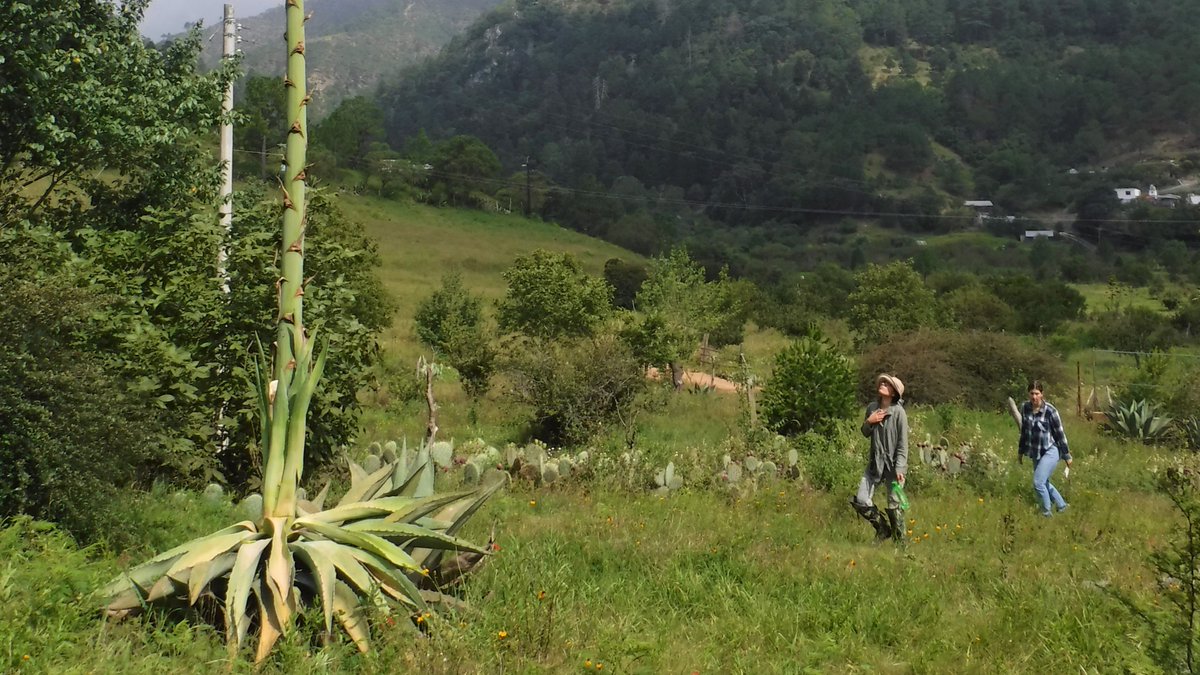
596,574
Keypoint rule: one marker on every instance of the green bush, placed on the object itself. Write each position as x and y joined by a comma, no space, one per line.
1137,420
977,370
810,389
575,389
831,462
71,436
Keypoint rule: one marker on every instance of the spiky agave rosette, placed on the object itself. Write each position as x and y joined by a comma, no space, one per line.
383,545
389,544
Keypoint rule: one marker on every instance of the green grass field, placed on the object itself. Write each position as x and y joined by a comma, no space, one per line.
598,575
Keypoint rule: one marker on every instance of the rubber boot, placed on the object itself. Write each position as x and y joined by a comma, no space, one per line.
896,523
872,515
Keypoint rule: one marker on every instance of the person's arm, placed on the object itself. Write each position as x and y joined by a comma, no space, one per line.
1023,437
1060,437
902,447
866,425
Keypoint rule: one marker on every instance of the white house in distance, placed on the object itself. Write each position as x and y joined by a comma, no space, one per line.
1126,195
1037,234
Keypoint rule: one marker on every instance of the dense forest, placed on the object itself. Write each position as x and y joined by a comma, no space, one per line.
658,120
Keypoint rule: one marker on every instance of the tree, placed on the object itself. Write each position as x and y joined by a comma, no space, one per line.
550,296
626,279
451,322
79,91
352,130
811,388
678,306
889,299
463,169
976,308
262,124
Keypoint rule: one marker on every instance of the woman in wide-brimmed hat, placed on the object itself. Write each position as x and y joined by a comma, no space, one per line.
886,424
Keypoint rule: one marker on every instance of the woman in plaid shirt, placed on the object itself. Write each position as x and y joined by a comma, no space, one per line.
1043,441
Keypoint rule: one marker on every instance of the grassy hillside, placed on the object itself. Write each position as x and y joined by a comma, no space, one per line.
595,574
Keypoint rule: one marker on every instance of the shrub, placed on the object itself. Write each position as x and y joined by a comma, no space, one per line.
575,388
71,436
810,389
831,462
977,370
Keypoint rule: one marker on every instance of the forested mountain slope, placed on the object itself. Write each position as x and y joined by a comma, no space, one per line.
782,111
352,43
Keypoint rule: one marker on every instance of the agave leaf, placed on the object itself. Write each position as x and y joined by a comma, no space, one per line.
339,556
396,584
394,508
357,473
271,625
365,488
408,486
205,550
136,581
412,535
460,511
319,500
241,579
324,575
349,612
148,571
203,574
371,543
169,586
280,575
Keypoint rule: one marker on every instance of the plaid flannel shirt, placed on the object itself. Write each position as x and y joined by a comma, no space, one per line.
1040,431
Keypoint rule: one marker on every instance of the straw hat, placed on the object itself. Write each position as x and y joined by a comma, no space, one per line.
896,384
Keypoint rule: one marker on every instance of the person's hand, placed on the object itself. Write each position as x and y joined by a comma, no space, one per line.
877,416
1068,462
900,478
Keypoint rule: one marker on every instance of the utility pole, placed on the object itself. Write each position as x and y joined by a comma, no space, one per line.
228,49
528,167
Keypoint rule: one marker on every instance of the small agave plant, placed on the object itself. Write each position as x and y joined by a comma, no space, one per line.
390,543
1138,420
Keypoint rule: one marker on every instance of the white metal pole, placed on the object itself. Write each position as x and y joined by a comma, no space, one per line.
228,48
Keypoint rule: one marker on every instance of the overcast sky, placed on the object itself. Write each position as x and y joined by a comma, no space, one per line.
164,17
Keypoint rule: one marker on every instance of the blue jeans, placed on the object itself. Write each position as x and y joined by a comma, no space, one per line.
1041,481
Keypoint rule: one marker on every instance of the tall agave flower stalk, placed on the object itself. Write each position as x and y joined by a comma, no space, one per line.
390,543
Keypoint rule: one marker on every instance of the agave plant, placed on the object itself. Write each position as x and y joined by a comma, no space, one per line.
1191,432
383,545
1138,420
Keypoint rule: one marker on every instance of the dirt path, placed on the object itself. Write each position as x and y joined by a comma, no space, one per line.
691,377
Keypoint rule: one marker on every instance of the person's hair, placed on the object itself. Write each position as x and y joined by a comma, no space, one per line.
1036,385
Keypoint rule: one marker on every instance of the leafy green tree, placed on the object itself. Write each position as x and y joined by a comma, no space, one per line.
79,92
550,296
451,322
974,307
1040,306
626,279
352,130
811,388
72,436
889,299
678,306
576,388
262,125
463,169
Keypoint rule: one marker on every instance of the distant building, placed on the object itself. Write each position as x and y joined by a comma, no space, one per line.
1036,234
1127,195
978,203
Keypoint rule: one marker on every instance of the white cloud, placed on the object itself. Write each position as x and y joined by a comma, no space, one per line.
166,17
